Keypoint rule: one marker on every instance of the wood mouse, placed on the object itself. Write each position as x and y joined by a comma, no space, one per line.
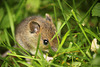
27,33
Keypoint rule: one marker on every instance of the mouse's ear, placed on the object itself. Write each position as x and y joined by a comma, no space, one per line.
34,27
48,17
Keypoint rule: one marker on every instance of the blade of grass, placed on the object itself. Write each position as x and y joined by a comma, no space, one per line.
69,53
81,50
38,45
72,49
42,61
70,46
5,64
21,56
35,64
63,40
91,33
19,45
78,22
98,30
64,61
88,11
54,7
10,18
55,65
67,4
10,49
7,38
81,1
89,54
41,57
3,59
24,63
63,13
20,6
74,6
81,57
58,31
61,26
80,27
16,64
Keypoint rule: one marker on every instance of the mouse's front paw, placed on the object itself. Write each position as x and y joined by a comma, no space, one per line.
48,58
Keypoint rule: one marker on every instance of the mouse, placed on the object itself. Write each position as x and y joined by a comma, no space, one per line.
28,31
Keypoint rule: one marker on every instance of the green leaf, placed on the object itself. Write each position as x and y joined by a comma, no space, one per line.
33,5
1,13
2,36
92,33
96,10
5,23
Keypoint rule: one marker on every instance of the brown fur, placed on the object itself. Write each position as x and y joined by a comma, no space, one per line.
27,33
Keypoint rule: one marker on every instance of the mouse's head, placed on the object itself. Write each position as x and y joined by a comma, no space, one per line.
46,28
27,33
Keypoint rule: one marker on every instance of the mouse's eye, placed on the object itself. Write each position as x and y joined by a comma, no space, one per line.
45,42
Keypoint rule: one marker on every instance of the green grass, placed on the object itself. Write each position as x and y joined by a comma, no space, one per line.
77,26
